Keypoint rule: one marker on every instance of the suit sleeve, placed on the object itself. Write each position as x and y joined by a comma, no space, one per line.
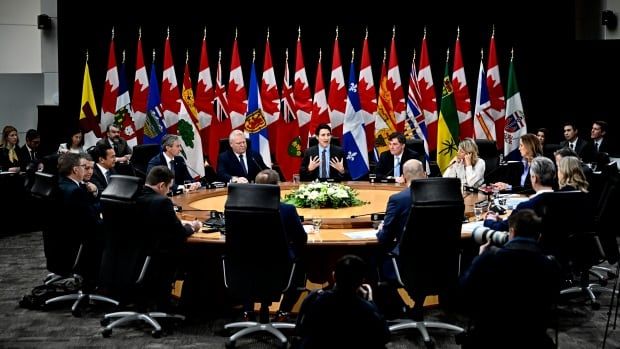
295,233
304,174
388,233
382,169
222,168
152,163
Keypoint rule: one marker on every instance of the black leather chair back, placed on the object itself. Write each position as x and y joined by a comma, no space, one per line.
429,249
487,151
141,154
312,141
225,144
257,262
549,149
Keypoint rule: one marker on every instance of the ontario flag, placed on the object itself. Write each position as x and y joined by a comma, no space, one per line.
515,117
461,93
123,109
288,149
354,135
496,93
110,89
88,111
337,98
303,99
154,127
237,97
204,98
396,87
428,100
320,110
415,117
270,98
256,122
220,126
385,122
368,96
140,92
170,91
191,142
484,124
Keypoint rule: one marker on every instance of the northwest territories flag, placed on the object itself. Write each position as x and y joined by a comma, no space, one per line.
353,131
255,121
515,117
154,129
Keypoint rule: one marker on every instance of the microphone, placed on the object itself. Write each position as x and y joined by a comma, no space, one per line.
260,168
375,216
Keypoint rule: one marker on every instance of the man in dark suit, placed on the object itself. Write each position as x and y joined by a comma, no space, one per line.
323,161
114,139
542,175
391,162
104,158
582,147
598,135
513,286
296,238
169,157
28,154
239,164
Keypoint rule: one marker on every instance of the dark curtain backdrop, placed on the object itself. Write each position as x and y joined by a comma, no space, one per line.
559,78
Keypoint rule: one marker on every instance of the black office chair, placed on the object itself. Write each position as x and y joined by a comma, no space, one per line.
428,263
225,144
141,154
128,256
257,265
487,151
549,149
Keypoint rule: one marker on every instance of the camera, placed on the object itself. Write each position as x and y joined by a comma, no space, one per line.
483,234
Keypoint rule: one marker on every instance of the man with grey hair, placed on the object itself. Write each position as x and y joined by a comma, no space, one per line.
169,157
542,175
238,164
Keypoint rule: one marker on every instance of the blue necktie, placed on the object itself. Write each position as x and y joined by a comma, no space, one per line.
397,167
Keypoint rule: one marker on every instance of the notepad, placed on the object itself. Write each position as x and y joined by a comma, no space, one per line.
471,226
362,235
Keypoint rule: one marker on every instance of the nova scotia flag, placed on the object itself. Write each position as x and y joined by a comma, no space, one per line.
353,132
255,121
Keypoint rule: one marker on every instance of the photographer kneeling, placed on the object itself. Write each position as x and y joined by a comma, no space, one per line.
511,291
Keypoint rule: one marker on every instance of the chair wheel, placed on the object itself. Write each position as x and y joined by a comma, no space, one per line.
156,333
106,333
104,322
229,344
596,305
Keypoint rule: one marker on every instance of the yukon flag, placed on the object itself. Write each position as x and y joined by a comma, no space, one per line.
123,109
385,123
169,91
320,112
288,149
204,97
110,89
428,100
270,98
220,126
353,133
484,125
140,92
337,98
396,87
237,97
461,93
496,93
188,132
448,124
154,127
88,111
368,96
302,97
415,117
256,122
515,117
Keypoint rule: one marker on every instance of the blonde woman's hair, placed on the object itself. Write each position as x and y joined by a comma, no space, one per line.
468,145
572,174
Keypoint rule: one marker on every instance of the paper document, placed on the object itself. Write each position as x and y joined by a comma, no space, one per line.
512,202
471,226
362,235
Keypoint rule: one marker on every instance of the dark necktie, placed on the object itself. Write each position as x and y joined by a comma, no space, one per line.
245,170
107,176
172,165
572,146
33,156
597,144
323,164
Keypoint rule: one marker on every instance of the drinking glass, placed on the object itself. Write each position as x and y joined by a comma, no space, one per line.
478,212
316,224
296,178
372,177
187,185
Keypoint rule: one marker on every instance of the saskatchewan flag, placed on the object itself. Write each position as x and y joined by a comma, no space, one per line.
448,126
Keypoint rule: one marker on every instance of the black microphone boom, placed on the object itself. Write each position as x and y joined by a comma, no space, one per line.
260,168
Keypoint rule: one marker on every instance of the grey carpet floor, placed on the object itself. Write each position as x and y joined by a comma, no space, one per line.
22,266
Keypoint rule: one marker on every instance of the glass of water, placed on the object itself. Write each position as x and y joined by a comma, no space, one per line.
478,212
316,224
187,185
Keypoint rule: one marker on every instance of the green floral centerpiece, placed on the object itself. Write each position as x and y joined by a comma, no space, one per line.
323,195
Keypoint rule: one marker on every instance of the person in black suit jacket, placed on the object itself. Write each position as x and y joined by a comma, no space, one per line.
166,231
238,164
599,137
583,148
505,285
169,157
387,166
114,139
104,158
28,153
311,166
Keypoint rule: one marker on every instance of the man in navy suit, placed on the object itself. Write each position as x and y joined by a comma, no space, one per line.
323,161
169,157
542,175
238,164
391,162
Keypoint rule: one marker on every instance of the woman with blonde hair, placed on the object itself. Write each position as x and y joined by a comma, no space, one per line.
466,165
570,175
9,147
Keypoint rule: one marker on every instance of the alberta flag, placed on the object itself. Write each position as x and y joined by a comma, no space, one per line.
515,117
255,121
353,131
154,129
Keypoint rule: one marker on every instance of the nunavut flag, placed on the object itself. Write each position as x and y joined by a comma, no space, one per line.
448,125
88,112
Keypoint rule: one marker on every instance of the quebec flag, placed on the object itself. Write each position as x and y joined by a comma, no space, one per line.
154,129
255,121
353,132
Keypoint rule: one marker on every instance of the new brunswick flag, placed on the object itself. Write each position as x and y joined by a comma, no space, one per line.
448,126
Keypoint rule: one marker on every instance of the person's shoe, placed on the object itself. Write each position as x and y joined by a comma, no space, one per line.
282,316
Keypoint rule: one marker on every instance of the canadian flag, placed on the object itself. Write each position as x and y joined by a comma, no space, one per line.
367,95
461,94
140,92
170,91
428,101
337,99
496,94
237,97
302,97
396,87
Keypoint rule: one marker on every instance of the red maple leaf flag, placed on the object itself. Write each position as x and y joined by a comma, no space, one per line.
461,93
320,112
288,149
110,89
301,91
428,100
396,87
204,97
140,92
337,98
169,91
237,97
220,126
496,94
368,95
270,98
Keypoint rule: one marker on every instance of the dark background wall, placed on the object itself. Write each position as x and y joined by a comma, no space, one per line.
560,78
